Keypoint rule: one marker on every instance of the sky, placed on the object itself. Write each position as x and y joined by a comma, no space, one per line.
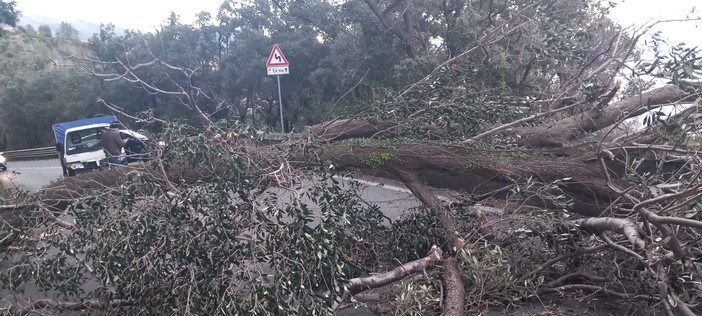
640,12
144,15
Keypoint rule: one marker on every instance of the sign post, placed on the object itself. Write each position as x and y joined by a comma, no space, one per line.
278,65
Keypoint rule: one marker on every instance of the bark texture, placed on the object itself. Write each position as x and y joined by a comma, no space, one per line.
359,285
619,225
478,171
455,292
564,132
348,128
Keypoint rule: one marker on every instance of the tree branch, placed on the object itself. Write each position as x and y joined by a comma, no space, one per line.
454,298
391,6
596,289
619,225
114,108
563,132
73,306
359,285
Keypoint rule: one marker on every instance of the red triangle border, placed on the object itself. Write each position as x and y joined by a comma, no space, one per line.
270,58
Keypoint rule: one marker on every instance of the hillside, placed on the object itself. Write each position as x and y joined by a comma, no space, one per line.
27,62
24,52
85,29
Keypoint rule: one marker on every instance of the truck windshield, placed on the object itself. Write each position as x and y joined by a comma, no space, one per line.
83,141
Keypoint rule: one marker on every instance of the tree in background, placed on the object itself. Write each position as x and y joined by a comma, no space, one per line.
66,32
55,96
8,14
45,30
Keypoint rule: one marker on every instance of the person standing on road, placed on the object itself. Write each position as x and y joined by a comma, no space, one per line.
113,144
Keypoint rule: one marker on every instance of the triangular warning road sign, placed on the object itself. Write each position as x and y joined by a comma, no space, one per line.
276,59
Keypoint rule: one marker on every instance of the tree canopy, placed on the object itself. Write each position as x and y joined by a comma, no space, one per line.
8,14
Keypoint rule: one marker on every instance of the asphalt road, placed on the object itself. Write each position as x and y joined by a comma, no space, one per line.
35,174
30,175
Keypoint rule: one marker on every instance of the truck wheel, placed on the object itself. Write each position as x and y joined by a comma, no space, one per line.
65,171
71,173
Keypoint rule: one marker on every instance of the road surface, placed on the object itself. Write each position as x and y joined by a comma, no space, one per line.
30,175
35,174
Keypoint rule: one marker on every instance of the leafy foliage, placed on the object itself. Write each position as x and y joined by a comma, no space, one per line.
8,14
55,96
222,246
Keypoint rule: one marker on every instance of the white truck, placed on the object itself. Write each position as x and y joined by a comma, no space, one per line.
79,144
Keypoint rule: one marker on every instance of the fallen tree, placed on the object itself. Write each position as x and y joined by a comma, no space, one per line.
588,189
584,184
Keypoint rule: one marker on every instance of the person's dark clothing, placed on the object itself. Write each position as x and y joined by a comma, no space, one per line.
116,161
112,142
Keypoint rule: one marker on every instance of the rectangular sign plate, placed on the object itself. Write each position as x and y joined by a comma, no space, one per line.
273,71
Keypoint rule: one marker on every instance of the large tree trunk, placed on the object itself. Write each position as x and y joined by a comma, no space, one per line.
478,171
337,130
566,131
438,165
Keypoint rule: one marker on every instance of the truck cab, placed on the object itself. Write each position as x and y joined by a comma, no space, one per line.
82,150
79,144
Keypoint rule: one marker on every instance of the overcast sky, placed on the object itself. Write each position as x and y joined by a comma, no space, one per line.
147,14
640,12
132,14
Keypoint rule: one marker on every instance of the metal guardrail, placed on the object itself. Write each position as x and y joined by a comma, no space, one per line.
29,154
50,152
275,136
